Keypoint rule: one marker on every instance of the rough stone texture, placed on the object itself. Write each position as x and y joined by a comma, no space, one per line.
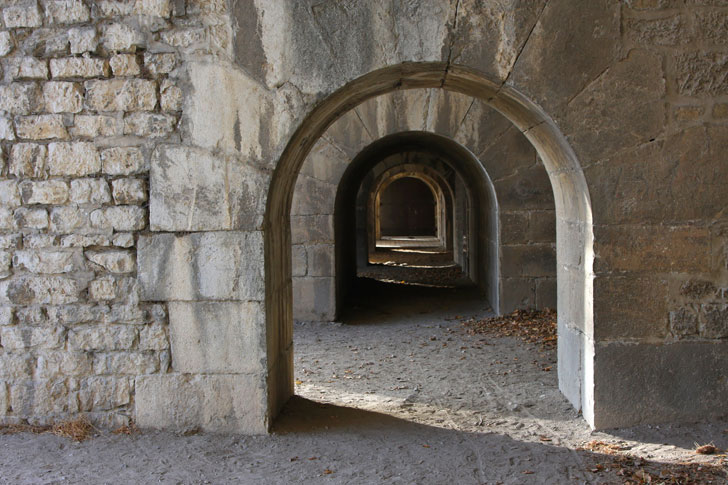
189,105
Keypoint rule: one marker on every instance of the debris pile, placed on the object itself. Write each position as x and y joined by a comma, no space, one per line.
533,326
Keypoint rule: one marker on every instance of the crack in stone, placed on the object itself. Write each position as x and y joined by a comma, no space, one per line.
523,46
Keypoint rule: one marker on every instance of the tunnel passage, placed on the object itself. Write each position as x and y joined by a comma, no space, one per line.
406,208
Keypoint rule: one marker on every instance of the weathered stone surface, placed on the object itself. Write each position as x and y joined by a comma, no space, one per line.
78,314
701,73
123,161
126,363
82,40
6,129
83,241
44,191
121,95
119,218
41,290
19,98
42,127
118,37
44,261
665,31
95,338
60,363
157,64
528,260
24,14
114,8
652,248
153,337
641,311
193,190
683,322
6,315
25,68
149,125
91,126
227,265
101,393
77,159
213,403
39,241
124,240
6,43
16,365
102,289
115,261
156,8
69,219
62,97
209,338
129,191
659,380
18,338
79,67
9,193
31,218
66,11
90,191
308,229
314,298
124,65
714,321
43,397
312,196
170,96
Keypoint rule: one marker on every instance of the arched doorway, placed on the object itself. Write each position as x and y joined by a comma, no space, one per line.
573,213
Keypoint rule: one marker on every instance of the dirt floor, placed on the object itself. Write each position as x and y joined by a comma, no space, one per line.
401,393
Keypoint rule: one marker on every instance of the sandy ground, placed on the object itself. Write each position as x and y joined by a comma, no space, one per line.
400,393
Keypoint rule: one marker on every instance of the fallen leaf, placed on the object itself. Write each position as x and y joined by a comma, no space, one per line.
706,449
328,472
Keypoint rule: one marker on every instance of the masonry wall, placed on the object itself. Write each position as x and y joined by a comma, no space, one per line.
139,139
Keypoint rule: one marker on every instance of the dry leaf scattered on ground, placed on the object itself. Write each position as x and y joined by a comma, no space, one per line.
533,326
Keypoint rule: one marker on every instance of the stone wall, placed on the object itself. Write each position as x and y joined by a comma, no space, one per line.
150,150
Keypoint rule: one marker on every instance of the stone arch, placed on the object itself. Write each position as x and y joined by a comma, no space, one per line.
572,202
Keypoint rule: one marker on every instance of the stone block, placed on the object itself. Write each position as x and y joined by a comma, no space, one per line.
19,98
123,240
320,260
211,403
546,291
149,125
517,293
92,126
118,37
299,264
652,249
123,161
102,289
630,308
22,14
663,31
125,363
6,315
55,364
514,227
217,337
202,266
104,393
114,8
66,11
44,191
41,127
16,365
170,96
314,299
159,63
62,97
83,240
129,191
26,218
153,337
119,218
41,290
701,73
90,191
683,322
124,65
82,40
5,260
714,321
154,8
121,95
78,314
7,220
312,196
6,43
27,68
102,338
10,241
43,397
190,190
44,261
528,260
113,260
20,338
75,159
39,241
9,193
310,229
682,381
70,219
79,67
7,132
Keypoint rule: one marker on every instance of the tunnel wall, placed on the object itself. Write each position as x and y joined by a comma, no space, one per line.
148,157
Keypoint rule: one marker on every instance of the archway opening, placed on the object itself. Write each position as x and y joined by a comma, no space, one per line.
573,212
407,208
